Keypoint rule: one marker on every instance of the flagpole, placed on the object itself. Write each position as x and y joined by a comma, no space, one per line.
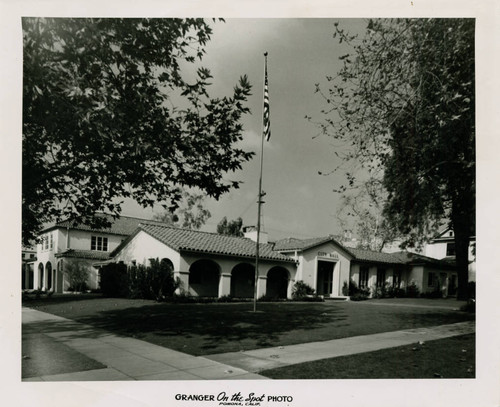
265,131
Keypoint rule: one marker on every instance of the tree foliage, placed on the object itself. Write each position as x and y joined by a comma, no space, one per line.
107,114
403,106
190,214
77,274
365,209
230,228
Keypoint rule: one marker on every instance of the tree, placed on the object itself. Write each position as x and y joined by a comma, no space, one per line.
403,105
231,228
365,207
77,274
108,115
190,214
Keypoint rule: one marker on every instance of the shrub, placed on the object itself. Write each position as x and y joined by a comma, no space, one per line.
396,292
77,274
412,291
80,288
225,298
346,288
114,280
436,293
163,283
138,284
302,290
381,291
155,282
360,296
355,293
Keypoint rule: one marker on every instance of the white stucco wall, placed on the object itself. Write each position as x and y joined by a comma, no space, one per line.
143,247
308,265
81,240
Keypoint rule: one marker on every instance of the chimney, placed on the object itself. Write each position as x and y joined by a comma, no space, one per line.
250,232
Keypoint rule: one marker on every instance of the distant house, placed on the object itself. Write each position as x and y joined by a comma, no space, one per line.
66,242
213,265
443,247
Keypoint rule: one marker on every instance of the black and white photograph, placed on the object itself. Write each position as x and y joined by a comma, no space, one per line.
222,208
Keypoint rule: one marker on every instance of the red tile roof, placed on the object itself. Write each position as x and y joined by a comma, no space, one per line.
84,254
291,243
205,242
376,257
124,225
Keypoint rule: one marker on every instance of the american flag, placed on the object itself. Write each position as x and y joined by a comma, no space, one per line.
267,123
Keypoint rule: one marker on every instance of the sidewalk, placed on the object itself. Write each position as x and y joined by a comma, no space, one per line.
123,358
270,358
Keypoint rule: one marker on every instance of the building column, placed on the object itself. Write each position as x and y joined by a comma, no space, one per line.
224,284
261,286
58,286
289,289
184,278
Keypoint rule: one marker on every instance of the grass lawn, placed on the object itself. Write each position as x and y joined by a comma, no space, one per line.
449,358
202,329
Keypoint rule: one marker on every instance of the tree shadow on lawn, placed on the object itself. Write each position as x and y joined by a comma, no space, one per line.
203,328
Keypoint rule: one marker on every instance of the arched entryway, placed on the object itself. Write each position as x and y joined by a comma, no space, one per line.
40,276
50,276
167,263
204,278
277,282
243,281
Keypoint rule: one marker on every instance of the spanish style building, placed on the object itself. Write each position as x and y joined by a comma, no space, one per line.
213,265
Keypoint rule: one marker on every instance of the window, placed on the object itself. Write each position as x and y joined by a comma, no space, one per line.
47,242
363,277
99,243
380,277
450,249
430,279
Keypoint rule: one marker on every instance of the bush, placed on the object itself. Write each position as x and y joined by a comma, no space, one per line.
77,274
360,296
381,291
346,289
163,283
437,293
114,280
155,282
80,288
225,298
412,291
354,292
302,290
396,292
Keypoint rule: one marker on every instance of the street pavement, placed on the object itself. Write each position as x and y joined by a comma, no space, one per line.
59,349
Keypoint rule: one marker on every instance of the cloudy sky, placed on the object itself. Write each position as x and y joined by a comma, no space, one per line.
302,52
